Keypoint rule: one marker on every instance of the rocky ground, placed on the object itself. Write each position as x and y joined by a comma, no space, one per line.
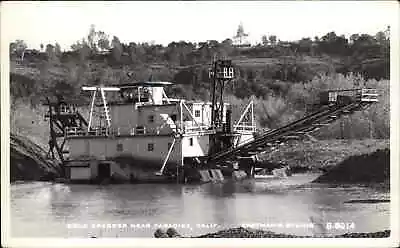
241,232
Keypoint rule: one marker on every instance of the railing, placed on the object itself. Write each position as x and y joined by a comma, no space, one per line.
67,109
247,128
369,95
190,129
76,131
359,95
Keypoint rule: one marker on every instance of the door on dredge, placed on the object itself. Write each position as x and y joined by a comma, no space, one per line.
103,171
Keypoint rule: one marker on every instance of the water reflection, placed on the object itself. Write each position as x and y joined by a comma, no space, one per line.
53,206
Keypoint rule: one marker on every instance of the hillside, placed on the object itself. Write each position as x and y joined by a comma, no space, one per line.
283,79
264,69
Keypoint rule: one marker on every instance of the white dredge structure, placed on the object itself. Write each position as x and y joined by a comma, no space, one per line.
136,133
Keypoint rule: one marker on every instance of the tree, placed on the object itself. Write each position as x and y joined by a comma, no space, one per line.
381,38
132,51
225,47
329,37
76,46
18,47
354,38
50,51
57,50
305,45
116,49
366,40
227,42
272,39
103,41
264,40
82,48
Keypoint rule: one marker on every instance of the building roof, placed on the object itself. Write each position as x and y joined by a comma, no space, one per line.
144,83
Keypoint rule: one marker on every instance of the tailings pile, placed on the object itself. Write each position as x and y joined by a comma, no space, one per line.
368,168
28,161
250,233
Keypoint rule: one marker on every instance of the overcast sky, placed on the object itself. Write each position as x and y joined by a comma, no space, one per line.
163,22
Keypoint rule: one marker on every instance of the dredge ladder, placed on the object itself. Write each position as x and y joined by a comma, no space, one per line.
339,103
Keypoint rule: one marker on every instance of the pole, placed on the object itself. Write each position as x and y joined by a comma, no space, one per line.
214,78
167,157
221,103
91,109
252,116
181,115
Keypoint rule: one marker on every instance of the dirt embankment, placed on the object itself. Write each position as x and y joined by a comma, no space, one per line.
342,161
28,161
366,168
321,154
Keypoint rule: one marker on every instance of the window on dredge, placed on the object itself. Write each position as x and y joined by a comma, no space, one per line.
150,147
197,113
151,118
191,142
120,147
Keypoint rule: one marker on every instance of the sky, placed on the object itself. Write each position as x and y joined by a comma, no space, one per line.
166,21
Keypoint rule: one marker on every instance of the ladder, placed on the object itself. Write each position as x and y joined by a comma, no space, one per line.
106,109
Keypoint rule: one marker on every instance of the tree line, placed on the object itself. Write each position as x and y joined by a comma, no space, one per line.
362,53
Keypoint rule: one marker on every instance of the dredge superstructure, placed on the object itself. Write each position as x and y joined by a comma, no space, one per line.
135,132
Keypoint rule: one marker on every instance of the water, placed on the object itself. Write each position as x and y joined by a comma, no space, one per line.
59,210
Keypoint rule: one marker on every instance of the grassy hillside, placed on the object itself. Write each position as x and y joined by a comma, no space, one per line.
277,102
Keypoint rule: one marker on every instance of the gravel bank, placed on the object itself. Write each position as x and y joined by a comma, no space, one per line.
241,232
367,168
28,161
321,154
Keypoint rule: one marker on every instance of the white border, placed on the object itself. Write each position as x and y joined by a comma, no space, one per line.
393,241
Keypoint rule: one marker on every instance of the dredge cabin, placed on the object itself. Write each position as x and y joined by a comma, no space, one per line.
142,134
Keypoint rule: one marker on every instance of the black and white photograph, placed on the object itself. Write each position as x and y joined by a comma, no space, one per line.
164,121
